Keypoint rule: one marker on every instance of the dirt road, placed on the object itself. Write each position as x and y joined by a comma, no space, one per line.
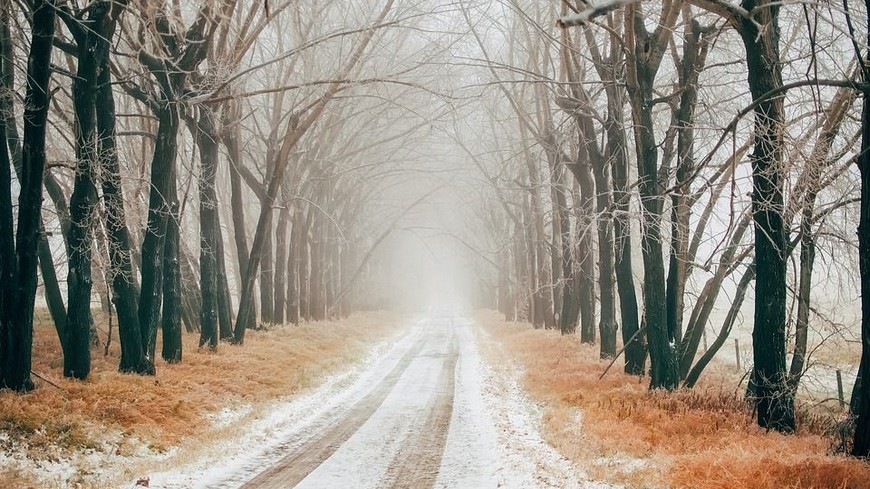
427,412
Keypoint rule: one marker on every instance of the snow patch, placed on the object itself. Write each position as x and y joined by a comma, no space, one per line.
227,416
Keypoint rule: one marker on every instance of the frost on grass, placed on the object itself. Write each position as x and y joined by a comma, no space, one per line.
529,461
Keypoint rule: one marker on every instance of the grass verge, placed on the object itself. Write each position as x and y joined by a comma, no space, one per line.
113,417
702,438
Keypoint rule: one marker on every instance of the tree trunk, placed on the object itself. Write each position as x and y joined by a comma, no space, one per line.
567,308
707,298
208,245
662,356
12,144
316,288
584,223
7,237
635,349
561,262
293,270
172,292
522,276
240,232
807,260
543,292
531,254
267,291
304,268
775,404
644,64
695,49
281,265
225,314
124,286
19,330
607,326
861,402
159,209
93,57
191,298
733,311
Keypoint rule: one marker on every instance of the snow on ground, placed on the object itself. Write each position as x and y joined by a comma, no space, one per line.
229,463
88,467
364,459
493,439
492,410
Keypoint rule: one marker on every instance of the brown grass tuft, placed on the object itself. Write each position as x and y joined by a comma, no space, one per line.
703,438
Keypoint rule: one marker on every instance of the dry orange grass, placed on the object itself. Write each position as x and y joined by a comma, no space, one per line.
617,429
174,406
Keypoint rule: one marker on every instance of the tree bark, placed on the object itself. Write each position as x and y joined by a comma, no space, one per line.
12,144
733,311
93,38
530,255
267,286
695,48
172,296
543,292
240,232
51,287
7,236
305,267
805,278
775,403
124,285
19,331
225,313
861,402
614,125
159,210
293,270
647,50
208,245
584,223
607,326
281,265
707,298
316,291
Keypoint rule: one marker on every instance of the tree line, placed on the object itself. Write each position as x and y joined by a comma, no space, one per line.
720,144
160,129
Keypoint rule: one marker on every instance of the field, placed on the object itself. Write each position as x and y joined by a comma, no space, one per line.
704,438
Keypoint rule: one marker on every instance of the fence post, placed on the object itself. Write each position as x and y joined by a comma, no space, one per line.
840,389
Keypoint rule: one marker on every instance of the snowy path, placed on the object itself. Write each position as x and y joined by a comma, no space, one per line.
426,413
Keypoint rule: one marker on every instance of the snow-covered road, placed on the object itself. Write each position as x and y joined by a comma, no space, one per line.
425,412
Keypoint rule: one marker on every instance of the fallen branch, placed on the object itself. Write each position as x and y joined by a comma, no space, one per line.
633,337
40,376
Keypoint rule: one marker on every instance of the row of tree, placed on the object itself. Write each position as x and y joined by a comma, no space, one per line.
159,129
667,133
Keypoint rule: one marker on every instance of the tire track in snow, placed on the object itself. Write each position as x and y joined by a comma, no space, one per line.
294,467
417,463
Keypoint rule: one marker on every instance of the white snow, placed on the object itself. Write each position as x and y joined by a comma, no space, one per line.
286,425
363,460
493,439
